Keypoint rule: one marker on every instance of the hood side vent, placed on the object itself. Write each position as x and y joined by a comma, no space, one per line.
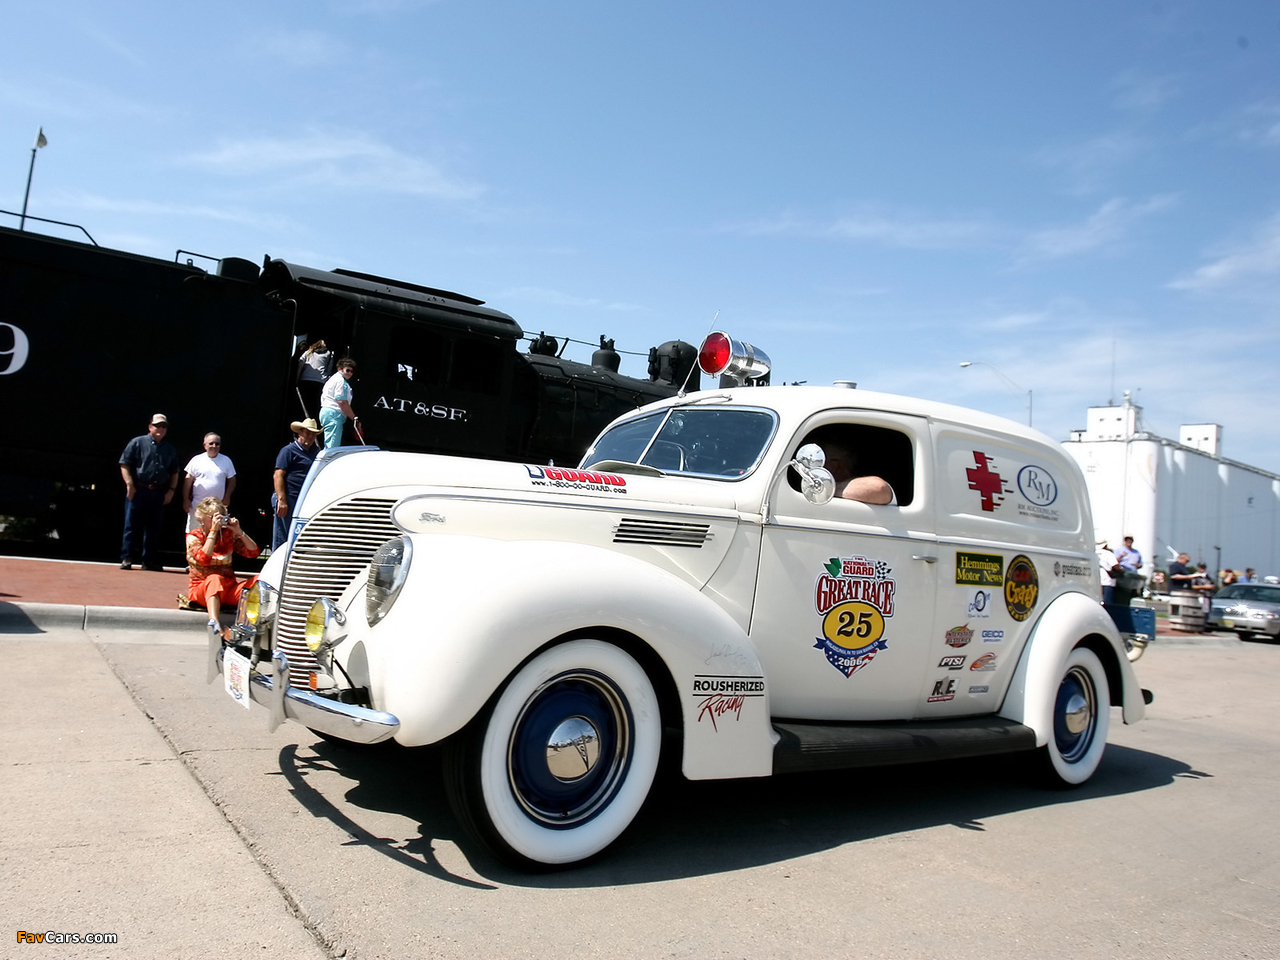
661,533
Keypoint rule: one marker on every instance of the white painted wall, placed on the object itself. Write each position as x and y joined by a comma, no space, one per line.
1168,495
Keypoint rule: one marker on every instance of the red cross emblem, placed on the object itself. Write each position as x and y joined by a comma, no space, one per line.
986,481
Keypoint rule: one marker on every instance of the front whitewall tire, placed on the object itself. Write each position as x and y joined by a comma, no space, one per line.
558,805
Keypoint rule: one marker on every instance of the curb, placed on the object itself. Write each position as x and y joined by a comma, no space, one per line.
38,617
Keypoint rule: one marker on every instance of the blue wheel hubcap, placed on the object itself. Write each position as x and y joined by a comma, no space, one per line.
570,748
1075,714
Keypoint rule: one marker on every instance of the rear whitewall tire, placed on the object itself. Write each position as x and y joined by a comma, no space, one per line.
511,789
1081,718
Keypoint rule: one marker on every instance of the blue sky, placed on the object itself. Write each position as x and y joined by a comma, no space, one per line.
1081,196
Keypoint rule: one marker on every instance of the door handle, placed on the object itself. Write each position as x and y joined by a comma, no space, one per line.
925,559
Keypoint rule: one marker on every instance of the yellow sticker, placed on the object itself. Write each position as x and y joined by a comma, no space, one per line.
853,625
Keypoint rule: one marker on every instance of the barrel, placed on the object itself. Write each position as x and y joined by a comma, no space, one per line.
1185,613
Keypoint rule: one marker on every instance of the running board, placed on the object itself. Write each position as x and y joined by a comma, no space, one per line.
843,746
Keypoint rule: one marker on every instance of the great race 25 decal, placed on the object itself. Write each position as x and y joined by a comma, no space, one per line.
854,597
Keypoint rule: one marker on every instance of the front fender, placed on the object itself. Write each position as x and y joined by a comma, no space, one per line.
1069,620
273,568
473,609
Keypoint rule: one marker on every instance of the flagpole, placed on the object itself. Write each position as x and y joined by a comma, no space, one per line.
40,142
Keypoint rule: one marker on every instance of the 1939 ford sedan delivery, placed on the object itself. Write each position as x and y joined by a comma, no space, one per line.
692,586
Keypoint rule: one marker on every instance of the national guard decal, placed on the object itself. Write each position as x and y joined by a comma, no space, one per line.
854,597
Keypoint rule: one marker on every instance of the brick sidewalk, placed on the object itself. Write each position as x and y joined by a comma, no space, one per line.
24,580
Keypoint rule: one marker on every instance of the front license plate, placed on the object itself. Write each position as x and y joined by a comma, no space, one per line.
1228,623
235,676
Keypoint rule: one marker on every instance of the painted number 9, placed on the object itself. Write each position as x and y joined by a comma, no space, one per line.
12,357
853,624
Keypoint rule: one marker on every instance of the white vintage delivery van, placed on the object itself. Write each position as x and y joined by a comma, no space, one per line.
700,583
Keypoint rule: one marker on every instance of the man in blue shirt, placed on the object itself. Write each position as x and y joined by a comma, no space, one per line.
149,468
292,465
1128,557
1180,575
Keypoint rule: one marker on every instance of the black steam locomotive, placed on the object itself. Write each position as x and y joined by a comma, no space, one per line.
94,341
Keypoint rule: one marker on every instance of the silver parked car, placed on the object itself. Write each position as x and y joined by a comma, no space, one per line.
1250,609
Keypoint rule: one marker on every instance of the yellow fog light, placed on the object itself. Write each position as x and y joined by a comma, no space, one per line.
324,626
257,605
253,604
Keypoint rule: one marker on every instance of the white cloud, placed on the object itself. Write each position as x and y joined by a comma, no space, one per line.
378,7
1091,162
884,229
337,160
556,298
1260,123
1104,227
1259,257
1013,321
150,208
1144,93
108,42
300,48
75,100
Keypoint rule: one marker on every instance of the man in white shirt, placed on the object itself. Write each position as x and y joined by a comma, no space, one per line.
335,404
209,474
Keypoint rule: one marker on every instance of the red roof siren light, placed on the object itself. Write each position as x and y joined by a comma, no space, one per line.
722,356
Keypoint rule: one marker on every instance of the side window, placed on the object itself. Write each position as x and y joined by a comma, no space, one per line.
862,450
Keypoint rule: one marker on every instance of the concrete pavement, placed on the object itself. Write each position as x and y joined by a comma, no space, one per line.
105,830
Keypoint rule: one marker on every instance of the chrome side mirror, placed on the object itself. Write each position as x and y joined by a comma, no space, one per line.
816,482
809,456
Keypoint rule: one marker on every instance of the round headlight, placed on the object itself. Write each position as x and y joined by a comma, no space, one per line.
387,572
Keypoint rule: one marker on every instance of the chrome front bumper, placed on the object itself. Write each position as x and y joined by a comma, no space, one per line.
1238,624
269,686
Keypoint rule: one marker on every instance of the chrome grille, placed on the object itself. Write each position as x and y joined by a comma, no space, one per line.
331,551
664,533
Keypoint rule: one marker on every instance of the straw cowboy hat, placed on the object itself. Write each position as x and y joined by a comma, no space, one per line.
307,424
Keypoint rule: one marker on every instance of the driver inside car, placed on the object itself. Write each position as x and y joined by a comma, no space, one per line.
843,464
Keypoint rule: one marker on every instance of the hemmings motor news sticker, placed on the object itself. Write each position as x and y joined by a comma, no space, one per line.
854,597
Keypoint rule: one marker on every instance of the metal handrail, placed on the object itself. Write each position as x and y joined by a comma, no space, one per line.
61,223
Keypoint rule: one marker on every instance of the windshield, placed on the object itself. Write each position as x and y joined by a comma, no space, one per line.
1258,593
722,443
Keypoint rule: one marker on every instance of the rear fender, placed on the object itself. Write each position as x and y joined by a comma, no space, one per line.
473,609
1071,620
